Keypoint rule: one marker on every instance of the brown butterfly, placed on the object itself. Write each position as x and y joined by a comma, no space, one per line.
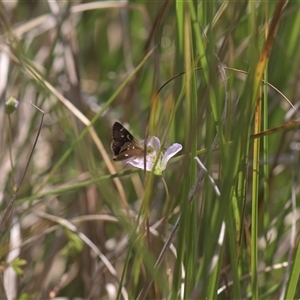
124,145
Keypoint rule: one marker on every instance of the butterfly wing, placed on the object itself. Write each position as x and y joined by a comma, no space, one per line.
124,145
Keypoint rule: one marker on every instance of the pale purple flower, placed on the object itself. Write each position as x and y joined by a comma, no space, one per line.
153,146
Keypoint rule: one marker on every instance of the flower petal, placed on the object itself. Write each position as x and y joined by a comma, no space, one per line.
153,142
138,162
171,151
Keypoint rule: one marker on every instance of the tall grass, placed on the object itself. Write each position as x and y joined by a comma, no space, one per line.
220,78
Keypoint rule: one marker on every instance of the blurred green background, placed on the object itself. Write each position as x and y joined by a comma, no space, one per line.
214,76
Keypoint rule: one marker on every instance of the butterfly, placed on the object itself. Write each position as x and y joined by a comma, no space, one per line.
124,145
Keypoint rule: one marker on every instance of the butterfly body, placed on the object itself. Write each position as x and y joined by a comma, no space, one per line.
124,145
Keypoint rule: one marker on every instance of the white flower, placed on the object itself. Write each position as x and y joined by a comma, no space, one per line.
153,146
